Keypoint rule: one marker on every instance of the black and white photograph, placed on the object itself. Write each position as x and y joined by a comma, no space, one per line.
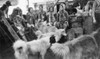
49,29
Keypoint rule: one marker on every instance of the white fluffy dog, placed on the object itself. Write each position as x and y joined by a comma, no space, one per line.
22,48
40,46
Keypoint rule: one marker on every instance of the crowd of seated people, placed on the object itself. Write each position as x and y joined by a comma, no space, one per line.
77,20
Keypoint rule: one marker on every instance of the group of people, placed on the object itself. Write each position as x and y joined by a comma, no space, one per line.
75,19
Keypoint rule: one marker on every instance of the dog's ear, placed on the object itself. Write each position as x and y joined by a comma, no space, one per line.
52,39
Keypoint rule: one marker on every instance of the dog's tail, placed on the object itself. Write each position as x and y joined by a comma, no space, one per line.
93,35
95,32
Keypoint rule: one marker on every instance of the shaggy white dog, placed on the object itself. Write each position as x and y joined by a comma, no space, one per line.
22,48
63,50
40,46
60,49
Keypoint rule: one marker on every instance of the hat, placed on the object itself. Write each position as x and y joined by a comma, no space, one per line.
8,3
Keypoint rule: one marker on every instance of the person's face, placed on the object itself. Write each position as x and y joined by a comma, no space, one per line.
35,5
31,10
61,7
51,9
20,12
67,5
47,9
65,24
40,8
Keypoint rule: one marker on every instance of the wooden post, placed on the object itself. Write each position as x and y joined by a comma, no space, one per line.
11,30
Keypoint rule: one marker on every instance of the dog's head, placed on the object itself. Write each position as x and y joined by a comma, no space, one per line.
20,48
59,33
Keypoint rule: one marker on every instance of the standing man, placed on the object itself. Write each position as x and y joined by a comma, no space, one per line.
42,13
35,6
51,18
62,15
5,8
30,17
35,13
